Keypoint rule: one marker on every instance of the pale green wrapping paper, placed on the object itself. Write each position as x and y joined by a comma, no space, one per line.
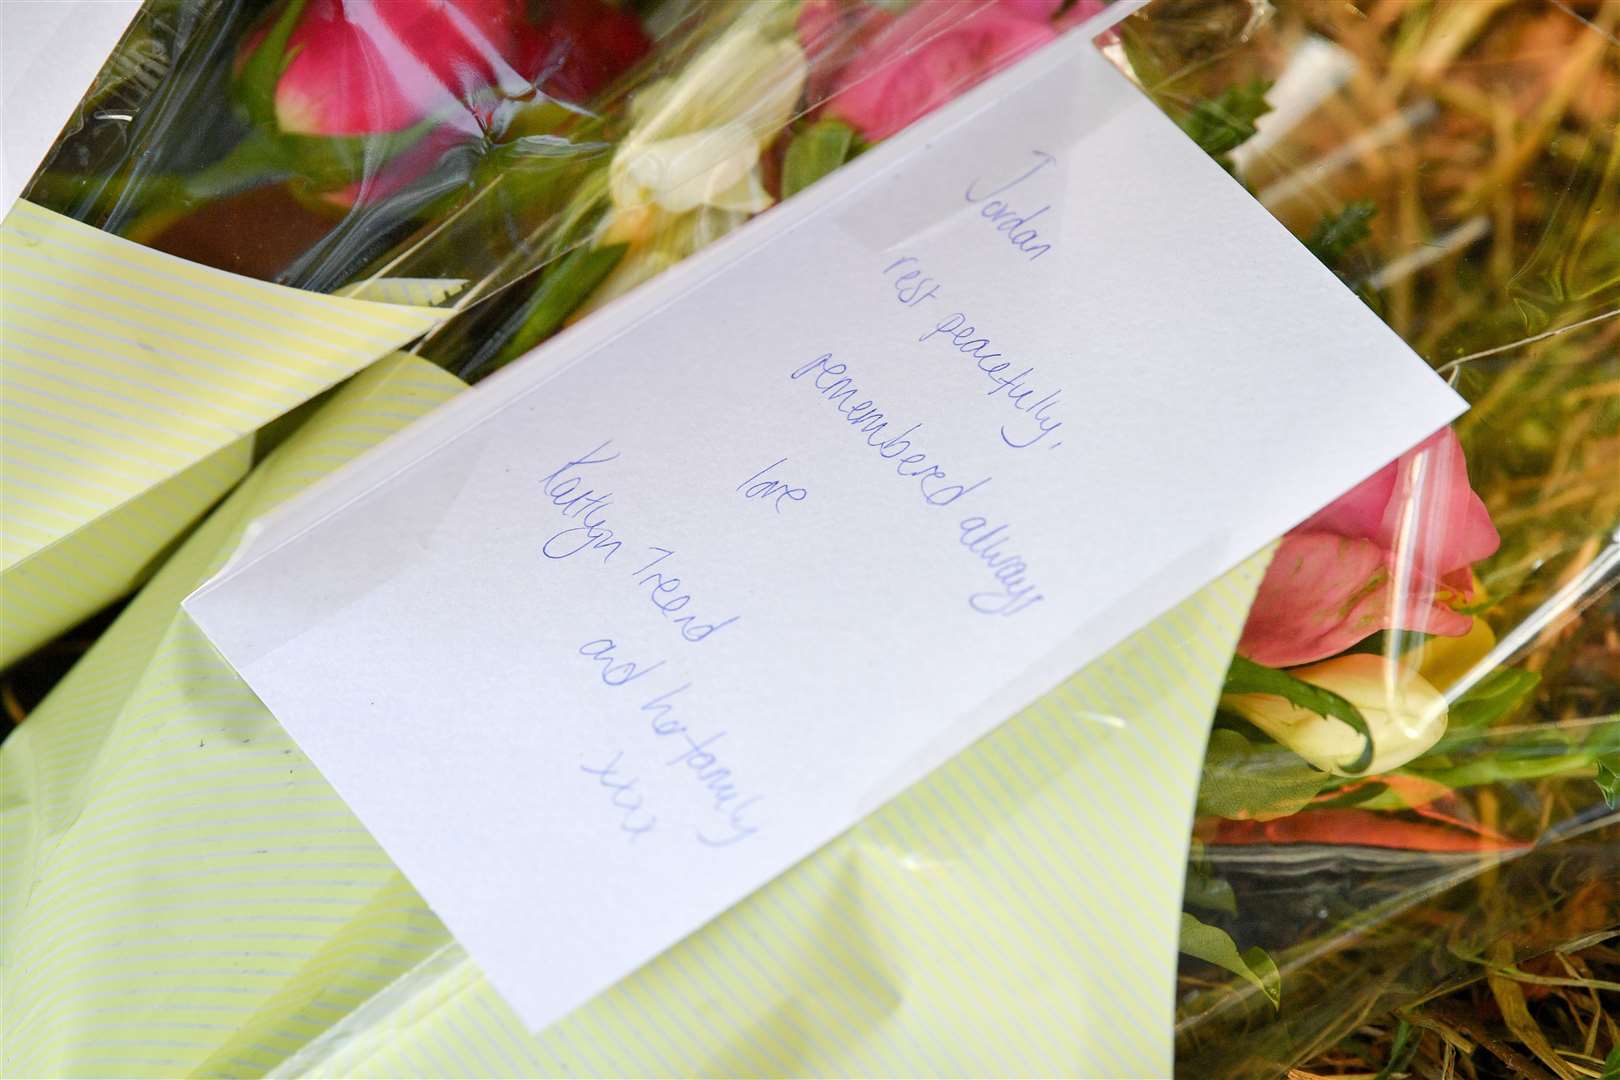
131,383
185,896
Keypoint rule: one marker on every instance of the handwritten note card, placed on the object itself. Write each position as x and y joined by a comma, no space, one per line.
621,634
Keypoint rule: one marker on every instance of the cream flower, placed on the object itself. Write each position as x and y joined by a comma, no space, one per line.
695,139
1404,712
688,172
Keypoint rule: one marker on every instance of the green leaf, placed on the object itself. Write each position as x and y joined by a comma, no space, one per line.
1492,698
1146,67
1608,778
1254,780
1400,1052
331,161
1338,232
815,152
258,78
1205,890
1518,754
1221,124
1213,945
1247,677
562,289
1611,1065
257,160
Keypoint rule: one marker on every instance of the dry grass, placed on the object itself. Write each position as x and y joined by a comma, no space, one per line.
1555,1016
1483,135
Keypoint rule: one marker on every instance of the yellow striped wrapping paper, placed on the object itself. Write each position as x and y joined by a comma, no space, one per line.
130,384
185,896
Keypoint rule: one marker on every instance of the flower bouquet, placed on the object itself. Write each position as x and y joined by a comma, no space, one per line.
1417,755
493,168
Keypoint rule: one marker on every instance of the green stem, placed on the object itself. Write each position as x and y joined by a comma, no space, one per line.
563,288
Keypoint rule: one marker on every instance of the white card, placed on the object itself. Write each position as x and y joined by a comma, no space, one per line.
670,549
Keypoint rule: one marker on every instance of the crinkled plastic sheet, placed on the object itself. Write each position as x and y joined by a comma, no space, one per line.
526,162
1458,165
301,140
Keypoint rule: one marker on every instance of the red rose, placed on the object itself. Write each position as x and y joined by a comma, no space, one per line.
581,46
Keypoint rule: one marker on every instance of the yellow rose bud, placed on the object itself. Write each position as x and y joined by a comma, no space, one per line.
1443,661
1404,712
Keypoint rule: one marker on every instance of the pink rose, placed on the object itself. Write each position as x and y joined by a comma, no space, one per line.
933,52
374,67
363,67
1396,551
1033,10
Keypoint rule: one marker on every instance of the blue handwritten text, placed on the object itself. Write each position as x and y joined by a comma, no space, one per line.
1007,218
830,378
625,797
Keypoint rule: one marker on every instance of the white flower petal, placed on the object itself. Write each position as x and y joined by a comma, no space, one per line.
684,172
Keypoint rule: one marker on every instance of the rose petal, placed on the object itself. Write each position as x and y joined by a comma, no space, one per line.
1324,593
929,55
1395,551
1420,502
1434,522
1033,10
